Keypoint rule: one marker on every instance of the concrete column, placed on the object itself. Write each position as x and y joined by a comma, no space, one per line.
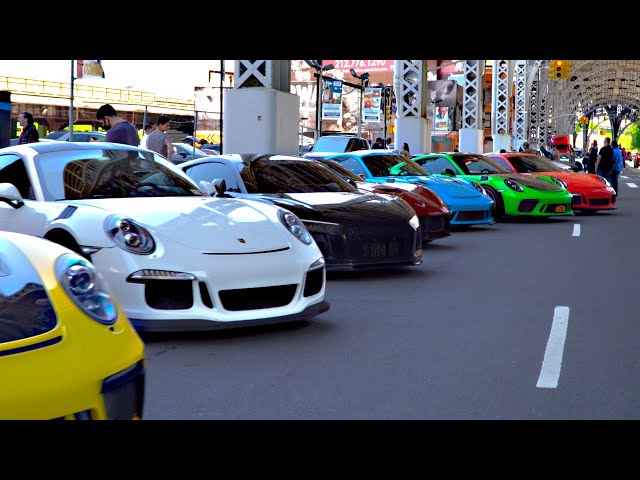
260,113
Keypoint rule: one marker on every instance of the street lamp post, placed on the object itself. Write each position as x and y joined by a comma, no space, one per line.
364,81
317,64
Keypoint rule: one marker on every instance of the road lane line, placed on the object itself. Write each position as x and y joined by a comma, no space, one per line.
576,230
550,372
632,185
623,176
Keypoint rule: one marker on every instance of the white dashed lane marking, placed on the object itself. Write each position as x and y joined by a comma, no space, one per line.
632,185
576,230
552,363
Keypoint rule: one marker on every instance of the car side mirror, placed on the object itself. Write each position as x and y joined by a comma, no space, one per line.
449,172
10,195
219,186
207,187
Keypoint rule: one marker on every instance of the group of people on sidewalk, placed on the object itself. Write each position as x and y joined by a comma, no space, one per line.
608,162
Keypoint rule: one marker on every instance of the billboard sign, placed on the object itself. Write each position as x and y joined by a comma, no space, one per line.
331,99
371,108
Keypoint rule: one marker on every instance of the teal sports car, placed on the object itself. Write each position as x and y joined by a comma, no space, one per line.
514,194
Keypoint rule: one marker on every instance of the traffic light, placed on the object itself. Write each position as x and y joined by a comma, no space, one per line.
555,69
559,69
387,113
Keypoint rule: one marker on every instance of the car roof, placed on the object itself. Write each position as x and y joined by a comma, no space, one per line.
245,158
45,147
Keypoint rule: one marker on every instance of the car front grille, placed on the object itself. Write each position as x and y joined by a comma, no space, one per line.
376,241
257,298
471,215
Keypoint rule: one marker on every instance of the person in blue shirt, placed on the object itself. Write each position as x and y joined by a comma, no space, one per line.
617,165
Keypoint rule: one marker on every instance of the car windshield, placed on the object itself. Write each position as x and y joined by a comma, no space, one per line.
293,176
345,173
475,164
529,164
107,173
384,165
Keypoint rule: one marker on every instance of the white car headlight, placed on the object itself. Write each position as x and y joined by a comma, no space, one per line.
86,287
295,226
414,222
559,182
479,187
129,235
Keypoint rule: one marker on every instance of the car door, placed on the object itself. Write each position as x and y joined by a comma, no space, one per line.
27,218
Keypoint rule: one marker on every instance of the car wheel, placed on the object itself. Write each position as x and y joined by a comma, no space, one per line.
498,204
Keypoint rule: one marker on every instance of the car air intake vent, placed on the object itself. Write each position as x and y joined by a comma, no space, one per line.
257,298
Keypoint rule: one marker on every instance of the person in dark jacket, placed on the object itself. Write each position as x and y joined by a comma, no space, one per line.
591,158
29,131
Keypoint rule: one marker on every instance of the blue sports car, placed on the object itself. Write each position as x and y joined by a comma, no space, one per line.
468,202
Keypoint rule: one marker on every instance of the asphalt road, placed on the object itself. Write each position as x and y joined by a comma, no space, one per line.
519,320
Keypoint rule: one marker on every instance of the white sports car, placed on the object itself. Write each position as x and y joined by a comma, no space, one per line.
177,260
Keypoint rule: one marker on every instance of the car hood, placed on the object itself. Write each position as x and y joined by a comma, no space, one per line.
339,206
576,179
530,181
419,197
221,225
449,187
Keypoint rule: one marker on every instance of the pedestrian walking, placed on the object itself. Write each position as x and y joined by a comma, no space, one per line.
604,163
159,140
591,158
29,132
148,128
118,129
618,162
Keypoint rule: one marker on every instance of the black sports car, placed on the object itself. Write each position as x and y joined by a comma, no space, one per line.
352,229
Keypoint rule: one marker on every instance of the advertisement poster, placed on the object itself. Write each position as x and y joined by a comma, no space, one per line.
442,119
371,104
332,99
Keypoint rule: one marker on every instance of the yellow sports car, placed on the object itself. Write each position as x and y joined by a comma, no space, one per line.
67,351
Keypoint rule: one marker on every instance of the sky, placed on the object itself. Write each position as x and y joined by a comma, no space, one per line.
169,78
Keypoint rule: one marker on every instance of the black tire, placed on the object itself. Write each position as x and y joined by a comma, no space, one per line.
498,204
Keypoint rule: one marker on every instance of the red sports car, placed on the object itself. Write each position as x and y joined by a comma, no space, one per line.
591,192
432,212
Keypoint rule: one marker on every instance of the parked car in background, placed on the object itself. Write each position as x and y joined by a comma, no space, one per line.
467,201
590,192
177,259
63,136
67,350
636,159
513,194
184,152
211,148
354,230
432,211
340,143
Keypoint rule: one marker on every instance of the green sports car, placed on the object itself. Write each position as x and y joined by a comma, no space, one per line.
513,194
